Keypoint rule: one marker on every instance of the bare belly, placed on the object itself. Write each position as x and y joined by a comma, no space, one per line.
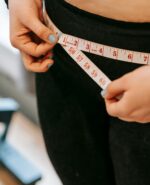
126,10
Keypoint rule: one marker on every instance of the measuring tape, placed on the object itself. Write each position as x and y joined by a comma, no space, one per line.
74,47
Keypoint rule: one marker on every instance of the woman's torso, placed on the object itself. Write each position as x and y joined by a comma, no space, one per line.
133,11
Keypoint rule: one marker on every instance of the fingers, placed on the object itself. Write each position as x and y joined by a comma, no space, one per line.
114,96
140,116
43,32
37,64
113,107
28,42
33,37
30,35
134,119
115,88
126,119
32,48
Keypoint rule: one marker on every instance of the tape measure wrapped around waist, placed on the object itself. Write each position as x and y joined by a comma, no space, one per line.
74,47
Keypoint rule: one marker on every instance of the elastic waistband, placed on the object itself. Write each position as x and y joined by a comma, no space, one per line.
74,21
138,26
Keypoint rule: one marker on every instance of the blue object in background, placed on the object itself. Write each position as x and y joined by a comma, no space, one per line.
10,158
18,165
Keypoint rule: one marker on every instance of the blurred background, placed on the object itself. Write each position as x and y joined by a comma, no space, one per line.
23,158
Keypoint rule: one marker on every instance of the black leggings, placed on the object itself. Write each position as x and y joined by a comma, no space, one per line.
85,144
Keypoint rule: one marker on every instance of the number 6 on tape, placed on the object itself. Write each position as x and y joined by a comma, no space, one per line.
74,47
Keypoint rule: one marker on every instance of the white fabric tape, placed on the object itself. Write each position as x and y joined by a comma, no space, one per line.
74,47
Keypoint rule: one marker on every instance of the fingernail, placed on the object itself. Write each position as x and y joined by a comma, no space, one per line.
52,38
103,93
59,34
49,65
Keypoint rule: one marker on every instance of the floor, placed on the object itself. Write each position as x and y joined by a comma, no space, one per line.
6,178
27,138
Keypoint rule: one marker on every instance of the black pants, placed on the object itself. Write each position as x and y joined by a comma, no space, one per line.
85,144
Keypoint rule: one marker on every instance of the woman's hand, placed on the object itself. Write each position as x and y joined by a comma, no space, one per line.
134,104
30,35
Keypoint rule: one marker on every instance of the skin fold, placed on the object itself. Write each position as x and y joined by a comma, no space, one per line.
126,10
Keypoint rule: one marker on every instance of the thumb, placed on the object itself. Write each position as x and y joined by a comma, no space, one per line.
115,88
43,32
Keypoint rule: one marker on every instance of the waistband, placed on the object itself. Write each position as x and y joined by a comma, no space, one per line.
86,25
124,24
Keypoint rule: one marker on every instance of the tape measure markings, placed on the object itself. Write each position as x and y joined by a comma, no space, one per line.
104,50
90,68
74,47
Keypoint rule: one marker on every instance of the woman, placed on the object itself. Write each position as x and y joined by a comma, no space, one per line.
87,144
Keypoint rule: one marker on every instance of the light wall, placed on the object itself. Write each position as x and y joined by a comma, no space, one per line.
10,60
